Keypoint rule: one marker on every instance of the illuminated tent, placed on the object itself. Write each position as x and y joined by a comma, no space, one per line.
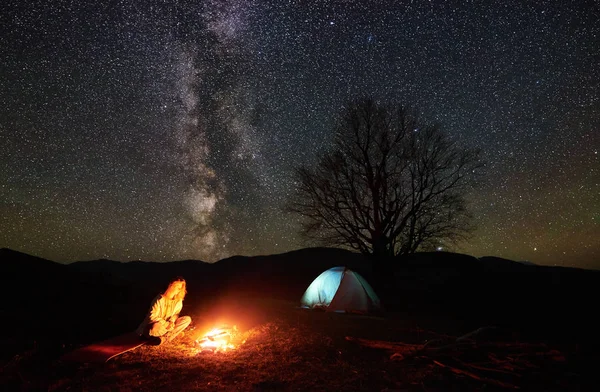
341,290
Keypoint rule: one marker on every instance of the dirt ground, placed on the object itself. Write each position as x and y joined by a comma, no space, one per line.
280,347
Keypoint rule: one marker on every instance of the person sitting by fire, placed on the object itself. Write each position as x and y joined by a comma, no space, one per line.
162,323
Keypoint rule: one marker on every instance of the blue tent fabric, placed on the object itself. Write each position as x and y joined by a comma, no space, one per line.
340,289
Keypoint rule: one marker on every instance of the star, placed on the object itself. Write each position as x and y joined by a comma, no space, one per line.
170,130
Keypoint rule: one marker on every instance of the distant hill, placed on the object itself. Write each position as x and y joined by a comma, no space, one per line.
486,290
275,275
14,262
288,274
29,275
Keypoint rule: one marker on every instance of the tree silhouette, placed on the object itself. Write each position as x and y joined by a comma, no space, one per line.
390,185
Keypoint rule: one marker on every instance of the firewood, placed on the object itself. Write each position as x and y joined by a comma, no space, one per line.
472,334
382,344
475,376
486,369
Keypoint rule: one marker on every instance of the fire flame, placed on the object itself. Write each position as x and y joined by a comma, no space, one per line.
217,340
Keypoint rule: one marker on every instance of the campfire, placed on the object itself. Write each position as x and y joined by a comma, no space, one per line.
217,340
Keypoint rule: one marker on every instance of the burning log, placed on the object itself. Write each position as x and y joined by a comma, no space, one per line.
217,340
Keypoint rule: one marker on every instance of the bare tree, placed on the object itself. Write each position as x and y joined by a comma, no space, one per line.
390,185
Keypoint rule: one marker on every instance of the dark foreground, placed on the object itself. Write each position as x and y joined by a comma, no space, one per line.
452,322
283,348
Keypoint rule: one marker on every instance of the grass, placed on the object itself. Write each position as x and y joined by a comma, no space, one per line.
283,348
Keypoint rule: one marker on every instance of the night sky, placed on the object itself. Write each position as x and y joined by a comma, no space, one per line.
165,130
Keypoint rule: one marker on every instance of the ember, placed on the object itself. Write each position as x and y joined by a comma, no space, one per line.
217,340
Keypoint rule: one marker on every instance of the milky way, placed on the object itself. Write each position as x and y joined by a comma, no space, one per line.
163,130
